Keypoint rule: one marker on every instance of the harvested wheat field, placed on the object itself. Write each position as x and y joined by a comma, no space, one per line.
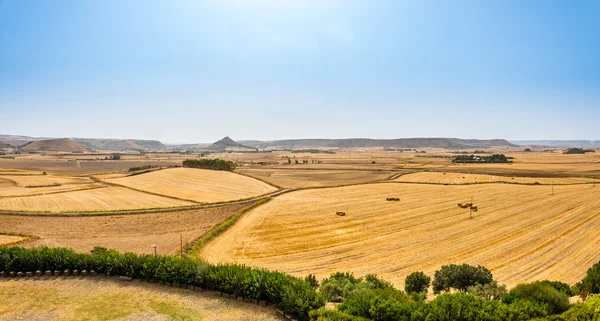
44,180
10,239
8,189
460,178
522,233
290,178
125,233
101,298
99,199
197,184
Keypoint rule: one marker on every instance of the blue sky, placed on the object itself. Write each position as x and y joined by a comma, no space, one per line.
195,71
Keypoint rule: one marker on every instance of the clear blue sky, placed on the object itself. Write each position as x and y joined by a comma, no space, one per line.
195,71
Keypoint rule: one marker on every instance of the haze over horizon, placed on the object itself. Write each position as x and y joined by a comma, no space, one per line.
195,71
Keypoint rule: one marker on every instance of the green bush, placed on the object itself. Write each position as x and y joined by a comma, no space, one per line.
462,307
325,314
560,287
417,282
591,281
490,291
551,299
290,294
460,277
339,286
214,164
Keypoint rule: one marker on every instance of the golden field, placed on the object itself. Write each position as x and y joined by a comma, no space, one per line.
9,239
99,199
522,233
104,299
44,180
461,178
197,184
8,189
293,178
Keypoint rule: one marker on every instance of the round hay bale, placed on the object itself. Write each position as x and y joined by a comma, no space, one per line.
20,274
57,273
12,274
84,272
28,274
38,273
48,273
93,273
75,273
3,274
67,272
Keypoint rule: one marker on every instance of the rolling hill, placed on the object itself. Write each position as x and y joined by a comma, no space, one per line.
227,144
454,143
121,144
54,145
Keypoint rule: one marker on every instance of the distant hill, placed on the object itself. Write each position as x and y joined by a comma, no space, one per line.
451,143
121,144
228,144
560,143
54,145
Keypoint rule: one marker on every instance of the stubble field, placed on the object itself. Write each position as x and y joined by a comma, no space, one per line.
522,233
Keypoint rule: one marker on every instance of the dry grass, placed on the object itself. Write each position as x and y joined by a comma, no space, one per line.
8,189
291,178
197,184
522,233
10,239
100,199
103,299
126,233
461,178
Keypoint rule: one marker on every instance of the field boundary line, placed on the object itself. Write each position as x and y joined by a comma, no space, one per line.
193,248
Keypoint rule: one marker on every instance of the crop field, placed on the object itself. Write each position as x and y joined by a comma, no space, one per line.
290,178
44,180
8,189
460,178
99,199
126,233
9,239
197,184
521,232
102,298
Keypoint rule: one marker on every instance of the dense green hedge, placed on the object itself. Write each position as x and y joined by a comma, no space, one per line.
290,294
214,164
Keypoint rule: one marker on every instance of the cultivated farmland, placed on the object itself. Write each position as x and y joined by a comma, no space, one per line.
522,233
9,239
197,184
99,199
461,178
291,178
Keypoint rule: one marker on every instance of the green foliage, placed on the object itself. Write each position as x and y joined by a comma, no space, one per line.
496,158
139,168
417,282
312,280
578,151
325,314
313,151
489,291
290,294
591,281
339,286
214,164
461,307
551,299
560,287
460,277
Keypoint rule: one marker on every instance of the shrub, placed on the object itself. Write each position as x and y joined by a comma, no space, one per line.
551,299
560,287
325,314
312,280
462,307
290,294
417,282
339,286
460,277
591,281
490,291
214,164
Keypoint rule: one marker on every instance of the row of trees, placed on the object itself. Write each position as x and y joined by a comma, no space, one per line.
496,158
214,164
465,293
290,294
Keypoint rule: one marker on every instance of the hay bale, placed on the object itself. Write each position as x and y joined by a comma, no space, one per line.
48,273
28,274
125,278
340,213
393,199
67,272
93,273
57,273
84,272
20,274
75,273
38,273
3,274
12,274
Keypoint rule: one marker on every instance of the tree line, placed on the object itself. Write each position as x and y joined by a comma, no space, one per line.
206,163
496,158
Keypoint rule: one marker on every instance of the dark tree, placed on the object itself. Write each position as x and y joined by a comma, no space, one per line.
417,282
460,277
